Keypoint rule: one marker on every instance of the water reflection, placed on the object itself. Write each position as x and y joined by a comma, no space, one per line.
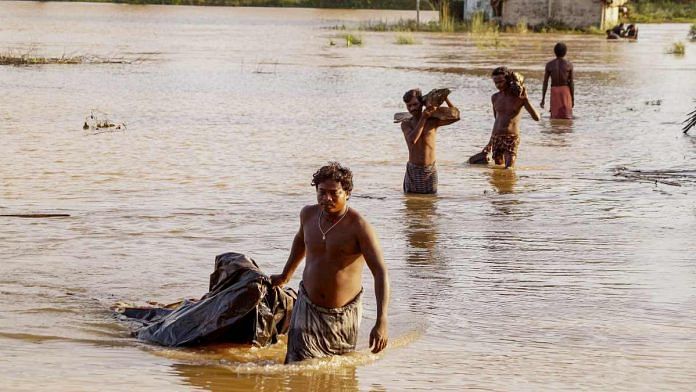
221,379
420,229
503,180
554,132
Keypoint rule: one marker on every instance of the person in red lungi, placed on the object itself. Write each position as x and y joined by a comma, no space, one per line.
562,92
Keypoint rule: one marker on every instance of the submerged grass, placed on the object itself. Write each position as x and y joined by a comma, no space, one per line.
520,28
692,32
677,48
31,58
478,24
353,40
447,23
405,39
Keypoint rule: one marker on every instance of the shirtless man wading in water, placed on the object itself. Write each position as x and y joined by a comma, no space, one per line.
336,242
507,111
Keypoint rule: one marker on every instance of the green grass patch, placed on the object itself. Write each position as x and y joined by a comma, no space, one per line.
660,11
354,4
31,58
522,27
677,48
352,39
405,39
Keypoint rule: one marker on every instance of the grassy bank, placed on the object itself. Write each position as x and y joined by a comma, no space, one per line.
477,25
661,11
31,58
356,4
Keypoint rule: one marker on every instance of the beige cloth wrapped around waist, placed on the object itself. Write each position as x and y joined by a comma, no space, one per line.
316,331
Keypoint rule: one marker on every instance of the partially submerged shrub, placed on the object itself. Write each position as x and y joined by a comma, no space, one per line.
521,27
352,40
677,48
405,39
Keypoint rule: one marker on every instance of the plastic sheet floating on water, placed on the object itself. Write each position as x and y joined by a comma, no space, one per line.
241,307
99,122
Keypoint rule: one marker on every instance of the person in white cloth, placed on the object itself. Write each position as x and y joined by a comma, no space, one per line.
336,242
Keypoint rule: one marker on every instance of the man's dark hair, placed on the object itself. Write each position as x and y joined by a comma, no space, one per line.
501,71
560,49
415,92
335,172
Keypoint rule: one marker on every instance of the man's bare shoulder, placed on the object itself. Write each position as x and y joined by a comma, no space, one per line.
406,126
308,211
358,220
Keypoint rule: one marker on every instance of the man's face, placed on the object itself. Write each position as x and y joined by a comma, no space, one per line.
414,106
331,196
499,81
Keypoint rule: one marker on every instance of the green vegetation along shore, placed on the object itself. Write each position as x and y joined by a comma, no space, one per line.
661,11
356,4
640,11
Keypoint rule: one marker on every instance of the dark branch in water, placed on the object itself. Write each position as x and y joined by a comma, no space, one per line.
690,122
35,215
667,177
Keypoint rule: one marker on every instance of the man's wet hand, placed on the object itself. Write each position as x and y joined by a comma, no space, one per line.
429,110
378,337
278,280
542,103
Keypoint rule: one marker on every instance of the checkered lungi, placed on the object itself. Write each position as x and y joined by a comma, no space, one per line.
420,179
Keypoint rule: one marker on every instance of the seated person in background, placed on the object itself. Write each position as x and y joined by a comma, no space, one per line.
631,32
616,32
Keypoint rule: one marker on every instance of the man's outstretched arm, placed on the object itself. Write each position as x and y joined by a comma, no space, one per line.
369,246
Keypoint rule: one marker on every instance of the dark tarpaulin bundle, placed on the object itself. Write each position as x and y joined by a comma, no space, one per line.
240,307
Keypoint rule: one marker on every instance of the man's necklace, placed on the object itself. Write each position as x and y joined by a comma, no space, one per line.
324,233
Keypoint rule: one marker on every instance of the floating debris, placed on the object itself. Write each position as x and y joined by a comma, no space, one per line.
35,215
99,122
667,177
654,102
